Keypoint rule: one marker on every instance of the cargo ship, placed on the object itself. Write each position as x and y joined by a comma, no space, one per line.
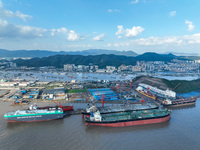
179,102
34,115
120,108
155,91
129,118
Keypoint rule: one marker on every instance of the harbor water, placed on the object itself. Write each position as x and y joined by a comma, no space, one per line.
182,131
63,76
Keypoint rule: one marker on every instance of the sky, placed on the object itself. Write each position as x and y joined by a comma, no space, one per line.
160,26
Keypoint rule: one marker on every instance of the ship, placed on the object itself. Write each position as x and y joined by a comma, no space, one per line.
34,115
129,118
64,108
180,101
20,102
146,93
119,108
155,91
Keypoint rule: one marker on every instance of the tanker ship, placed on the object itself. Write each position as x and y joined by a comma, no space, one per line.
120,108
129,118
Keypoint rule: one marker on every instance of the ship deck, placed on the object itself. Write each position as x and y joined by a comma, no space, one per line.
130,107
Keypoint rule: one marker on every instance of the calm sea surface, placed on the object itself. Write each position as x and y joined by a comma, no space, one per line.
48,76
182,132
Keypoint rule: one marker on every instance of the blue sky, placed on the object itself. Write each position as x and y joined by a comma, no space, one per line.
70,25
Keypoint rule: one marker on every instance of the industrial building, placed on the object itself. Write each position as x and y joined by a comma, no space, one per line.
107,93
56,93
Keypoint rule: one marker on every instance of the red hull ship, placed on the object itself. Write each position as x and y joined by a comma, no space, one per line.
129,118
64,108
179,102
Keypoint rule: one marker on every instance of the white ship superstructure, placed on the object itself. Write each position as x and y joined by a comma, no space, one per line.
154,90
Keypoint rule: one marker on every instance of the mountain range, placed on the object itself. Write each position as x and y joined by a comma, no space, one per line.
44,53
101,60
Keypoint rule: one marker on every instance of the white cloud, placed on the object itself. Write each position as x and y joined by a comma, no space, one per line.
98,37
113,10
7,13
13,31
60,30
120,30
134,31
108,45
172,13
128,32
159,44
119,37
134,2
189,25
158,41
72,36
174,40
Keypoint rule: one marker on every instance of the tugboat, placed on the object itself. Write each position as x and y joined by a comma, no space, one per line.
179,102
19,102
34,114
129,118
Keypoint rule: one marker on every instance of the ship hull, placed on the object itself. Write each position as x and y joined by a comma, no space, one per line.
131,122
179,104
146,94
34,118
64,108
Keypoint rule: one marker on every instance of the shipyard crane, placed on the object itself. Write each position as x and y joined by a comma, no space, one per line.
131,84
176,86
102,98
153,83
142,99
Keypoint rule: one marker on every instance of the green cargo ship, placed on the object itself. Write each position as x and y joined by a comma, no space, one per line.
34,115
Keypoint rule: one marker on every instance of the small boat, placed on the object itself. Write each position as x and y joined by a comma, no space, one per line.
129,118
34,115
179,102
20,102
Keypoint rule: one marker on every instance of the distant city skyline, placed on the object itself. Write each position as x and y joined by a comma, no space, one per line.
138,25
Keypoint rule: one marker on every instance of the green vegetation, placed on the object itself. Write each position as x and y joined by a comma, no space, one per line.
183,86
101,60
76,90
